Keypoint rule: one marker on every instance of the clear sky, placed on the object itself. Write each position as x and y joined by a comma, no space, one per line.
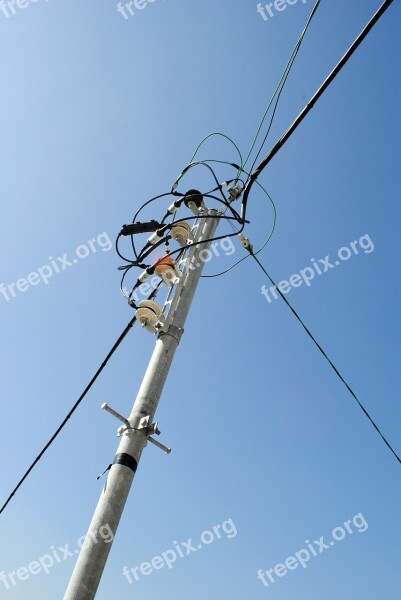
98,114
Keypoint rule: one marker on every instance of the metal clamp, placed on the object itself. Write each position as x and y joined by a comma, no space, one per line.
148,429
153,428
113,412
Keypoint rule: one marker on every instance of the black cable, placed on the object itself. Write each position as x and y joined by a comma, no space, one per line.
291,64
205,195
203,163
128,268
143,206
227,270
224,201
336,371
280,143
149,249
227,204
178,251
116,246
74,408
138,283
244,257
76,405
215,239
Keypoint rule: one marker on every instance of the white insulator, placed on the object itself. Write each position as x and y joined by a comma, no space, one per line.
181,233
148,314
168,274
168,271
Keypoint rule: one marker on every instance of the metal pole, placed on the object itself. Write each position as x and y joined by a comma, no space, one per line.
92,559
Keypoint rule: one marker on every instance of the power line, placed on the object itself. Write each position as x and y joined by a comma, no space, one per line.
336,371
252,178
272,153
277,93
282,83
127,328
69,415
267,240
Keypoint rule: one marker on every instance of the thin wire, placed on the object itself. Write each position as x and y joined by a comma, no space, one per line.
278,91
175,184
139,256
312,102
137,214
69,415
75,406
336,371
222,135
282,84
149,249
266,241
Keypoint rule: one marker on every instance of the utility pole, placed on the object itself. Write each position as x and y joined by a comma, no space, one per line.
137,428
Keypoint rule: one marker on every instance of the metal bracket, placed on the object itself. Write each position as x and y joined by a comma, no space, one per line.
235,192
144,425
115,414
172,331
150,429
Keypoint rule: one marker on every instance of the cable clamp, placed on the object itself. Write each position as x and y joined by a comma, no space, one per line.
235,192
152,429
173,331
245,243
144,427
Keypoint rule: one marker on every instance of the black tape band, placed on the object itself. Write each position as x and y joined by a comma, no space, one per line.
126,460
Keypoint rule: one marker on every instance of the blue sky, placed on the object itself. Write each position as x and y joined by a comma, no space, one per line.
98,115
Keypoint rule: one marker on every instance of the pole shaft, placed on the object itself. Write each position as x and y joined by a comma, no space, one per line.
94,553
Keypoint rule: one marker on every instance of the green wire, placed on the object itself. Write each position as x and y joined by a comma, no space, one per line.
242,163
284,75
222,135
254,254
177,181
269,106
336,371
267,194
271,231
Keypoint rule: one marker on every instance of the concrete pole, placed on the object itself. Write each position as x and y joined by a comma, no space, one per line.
92,559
